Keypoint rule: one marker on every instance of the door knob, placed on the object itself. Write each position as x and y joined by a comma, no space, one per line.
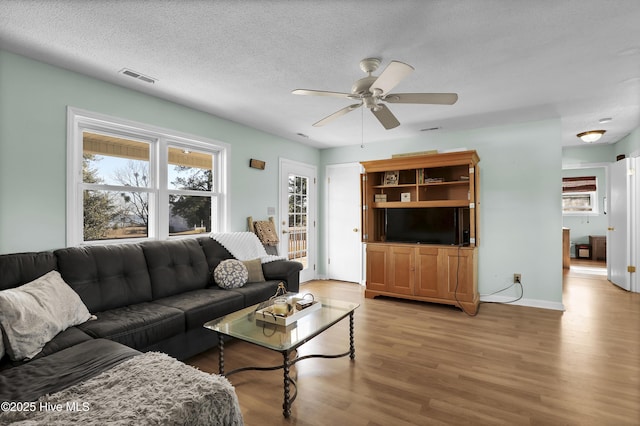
284,231
355,229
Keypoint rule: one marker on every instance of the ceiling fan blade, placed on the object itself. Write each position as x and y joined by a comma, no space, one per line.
320,93
422,98
391,76
385,117
336,114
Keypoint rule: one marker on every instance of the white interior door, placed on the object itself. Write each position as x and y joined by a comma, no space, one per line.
635,223
344,234
297,222
618,241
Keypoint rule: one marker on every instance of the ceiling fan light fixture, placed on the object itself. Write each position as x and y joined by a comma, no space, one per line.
372,91
591,135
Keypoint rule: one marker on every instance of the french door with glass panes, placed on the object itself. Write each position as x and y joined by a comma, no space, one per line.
297,215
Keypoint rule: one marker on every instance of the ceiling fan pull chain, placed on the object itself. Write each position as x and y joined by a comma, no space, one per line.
362,128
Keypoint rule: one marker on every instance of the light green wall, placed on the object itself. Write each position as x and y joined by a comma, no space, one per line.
629,145
520,192
33,101
586,155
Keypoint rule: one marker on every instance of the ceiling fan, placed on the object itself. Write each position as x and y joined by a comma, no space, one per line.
371,91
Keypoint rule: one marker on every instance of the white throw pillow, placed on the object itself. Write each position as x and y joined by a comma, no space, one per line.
34,313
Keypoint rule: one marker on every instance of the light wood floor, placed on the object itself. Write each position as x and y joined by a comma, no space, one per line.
423,364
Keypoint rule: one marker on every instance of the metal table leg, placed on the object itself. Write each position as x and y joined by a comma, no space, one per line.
220,354
286,405
352,346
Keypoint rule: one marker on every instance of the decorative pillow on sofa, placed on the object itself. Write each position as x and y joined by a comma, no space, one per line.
34,313
266,232
254,268
230,273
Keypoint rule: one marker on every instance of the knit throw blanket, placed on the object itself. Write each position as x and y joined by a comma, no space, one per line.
149,389
245,246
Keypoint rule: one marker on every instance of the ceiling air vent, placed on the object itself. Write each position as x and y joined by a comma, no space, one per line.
137,75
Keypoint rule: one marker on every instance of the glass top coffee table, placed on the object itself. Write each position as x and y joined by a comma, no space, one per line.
248,326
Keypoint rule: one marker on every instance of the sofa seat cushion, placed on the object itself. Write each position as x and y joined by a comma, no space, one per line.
62,369
175,266
65,339
254,293
136,326
70,337
200,306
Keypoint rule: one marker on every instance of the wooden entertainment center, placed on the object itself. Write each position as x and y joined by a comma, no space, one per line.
420,226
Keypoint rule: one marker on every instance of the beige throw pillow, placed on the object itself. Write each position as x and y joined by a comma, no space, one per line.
34,313
254,267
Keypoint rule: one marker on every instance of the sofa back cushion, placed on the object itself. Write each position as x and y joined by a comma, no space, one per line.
175,266
214,252
20,268
106,277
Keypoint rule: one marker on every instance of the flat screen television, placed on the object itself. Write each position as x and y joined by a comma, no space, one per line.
437,225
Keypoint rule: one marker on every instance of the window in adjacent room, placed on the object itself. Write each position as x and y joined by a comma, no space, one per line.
580,195
128,181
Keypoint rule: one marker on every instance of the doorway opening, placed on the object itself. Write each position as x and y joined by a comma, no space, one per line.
584,214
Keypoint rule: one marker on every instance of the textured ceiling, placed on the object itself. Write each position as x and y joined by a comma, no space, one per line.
509,61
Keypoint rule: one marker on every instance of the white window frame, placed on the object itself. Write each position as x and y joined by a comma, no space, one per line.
79,121
593,203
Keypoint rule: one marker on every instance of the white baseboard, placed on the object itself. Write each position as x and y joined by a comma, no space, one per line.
533,303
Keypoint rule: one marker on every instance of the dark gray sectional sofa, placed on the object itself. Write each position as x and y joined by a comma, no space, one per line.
149,296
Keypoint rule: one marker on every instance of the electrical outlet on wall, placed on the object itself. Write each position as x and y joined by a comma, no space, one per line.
517,278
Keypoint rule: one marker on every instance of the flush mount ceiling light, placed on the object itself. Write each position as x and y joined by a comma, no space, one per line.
591,135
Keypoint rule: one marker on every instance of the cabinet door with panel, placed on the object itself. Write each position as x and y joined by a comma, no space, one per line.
458,267
377,265
428,272
401,269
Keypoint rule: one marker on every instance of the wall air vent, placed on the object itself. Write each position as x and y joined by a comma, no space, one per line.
137,75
